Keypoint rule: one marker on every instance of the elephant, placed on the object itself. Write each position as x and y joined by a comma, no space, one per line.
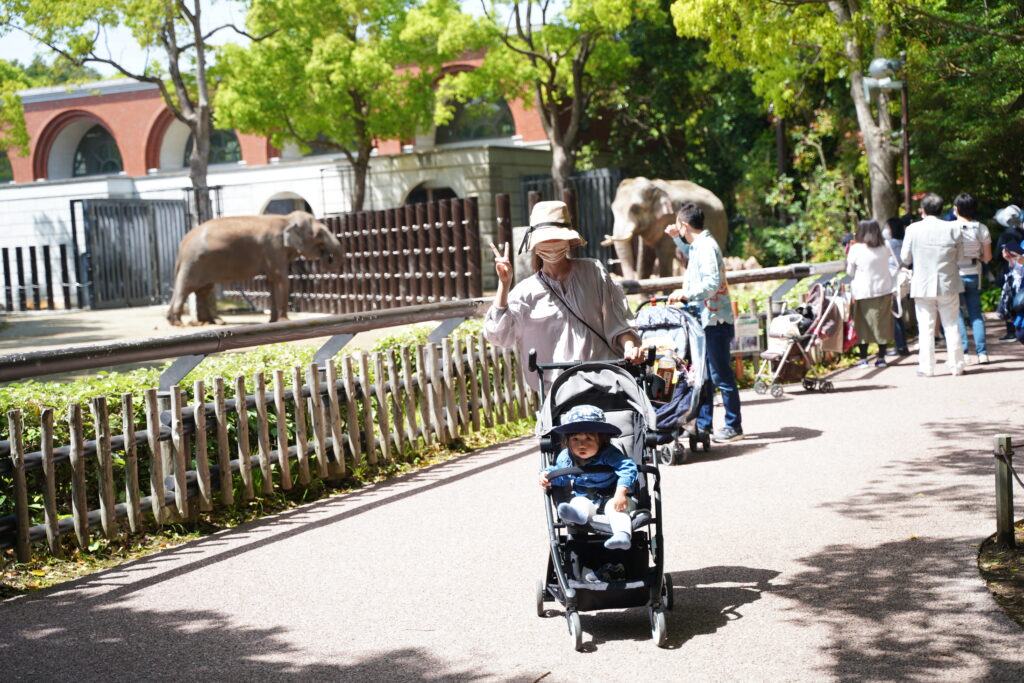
241,247
644,208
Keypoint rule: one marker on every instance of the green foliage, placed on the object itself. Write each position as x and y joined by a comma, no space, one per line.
990,298
340,74
566,63
677,115
967,101
13,134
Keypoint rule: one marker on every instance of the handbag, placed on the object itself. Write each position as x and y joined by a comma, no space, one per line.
849,335
901,283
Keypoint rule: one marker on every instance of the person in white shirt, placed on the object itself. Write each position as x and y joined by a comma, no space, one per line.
932,247
977,250
868,262
568,310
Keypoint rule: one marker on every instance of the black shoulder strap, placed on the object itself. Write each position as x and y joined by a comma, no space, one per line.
571,312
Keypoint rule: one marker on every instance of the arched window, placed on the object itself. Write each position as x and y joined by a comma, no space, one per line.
224,148
477,119
6,174
421,194
96,154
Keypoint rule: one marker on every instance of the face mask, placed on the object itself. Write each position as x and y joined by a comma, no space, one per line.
552,256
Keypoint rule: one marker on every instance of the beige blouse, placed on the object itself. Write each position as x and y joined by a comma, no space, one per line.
535,319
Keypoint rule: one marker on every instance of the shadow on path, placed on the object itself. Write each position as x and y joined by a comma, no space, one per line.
890,609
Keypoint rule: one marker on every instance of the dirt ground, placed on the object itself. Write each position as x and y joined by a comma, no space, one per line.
51,330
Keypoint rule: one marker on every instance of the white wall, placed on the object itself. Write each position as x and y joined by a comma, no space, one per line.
32,214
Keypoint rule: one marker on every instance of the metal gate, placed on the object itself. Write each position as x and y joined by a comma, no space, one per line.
130,249
595,190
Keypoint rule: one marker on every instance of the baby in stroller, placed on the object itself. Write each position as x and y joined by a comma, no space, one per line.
607,479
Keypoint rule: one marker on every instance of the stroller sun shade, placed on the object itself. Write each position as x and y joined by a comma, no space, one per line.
606,386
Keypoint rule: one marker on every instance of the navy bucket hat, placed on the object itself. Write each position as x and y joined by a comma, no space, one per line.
586,418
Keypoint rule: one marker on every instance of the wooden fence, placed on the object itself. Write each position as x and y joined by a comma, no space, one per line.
405,256
193,452
34,276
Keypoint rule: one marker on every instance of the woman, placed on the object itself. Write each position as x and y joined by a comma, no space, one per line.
568,310
868,263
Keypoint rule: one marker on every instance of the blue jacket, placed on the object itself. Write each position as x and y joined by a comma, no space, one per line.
599,481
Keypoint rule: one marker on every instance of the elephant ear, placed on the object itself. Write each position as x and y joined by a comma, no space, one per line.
298,234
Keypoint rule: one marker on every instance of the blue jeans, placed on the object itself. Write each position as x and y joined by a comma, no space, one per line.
719,368
970,309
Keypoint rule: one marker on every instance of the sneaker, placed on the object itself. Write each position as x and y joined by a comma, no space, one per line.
1006,339
904,352
922,373
862,363
880,363
726,434
957,373
982,359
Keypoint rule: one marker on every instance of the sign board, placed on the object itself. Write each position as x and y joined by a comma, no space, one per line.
748,340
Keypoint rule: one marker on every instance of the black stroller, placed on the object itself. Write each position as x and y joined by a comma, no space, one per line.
679,338
582,574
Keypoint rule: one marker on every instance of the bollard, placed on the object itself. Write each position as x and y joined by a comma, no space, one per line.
1004,490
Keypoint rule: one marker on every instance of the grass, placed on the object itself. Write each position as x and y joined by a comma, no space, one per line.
43,572
1002,568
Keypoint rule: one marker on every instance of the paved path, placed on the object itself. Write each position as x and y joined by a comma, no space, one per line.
838,542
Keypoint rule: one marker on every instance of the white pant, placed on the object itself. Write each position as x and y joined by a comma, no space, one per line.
618,521
947,309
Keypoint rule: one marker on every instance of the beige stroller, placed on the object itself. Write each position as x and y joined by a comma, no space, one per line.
792,336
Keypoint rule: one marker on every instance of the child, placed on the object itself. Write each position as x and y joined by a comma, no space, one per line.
607,479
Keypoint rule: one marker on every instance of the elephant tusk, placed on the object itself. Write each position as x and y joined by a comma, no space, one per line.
608,239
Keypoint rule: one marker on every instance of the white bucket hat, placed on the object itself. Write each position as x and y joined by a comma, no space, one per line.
550,221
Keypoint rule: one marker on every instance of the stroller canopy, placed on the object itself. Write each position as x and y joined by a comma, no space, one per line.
609,387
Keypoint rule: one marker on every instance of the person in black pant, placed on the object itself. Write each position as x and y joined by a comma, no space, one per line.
1009,218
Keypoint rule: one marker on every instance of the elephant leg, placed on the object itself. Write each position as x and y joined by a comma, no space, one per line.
646,260
666,256
178,297
278,298
206,306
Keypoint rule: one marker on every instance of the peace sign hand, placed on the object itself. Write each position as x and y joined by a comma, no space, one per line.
502,264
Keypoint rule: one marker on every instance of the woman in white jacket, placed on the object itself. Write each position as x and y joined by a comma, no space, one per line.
868,262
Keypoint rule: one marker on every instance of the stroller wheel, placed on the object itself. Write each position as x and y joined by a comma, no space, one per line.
776,390
809,384
705,443
666,592
679,454
542,593
665,455
658,631
575,632
827,387
760,387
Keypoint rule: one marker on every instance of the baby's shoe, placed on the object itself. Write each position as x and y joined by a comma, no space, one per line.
620,540
570,515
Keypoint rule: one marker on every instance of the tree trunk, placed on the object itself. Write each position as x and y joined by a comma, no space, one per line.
360,172
876,133
198,165
563,163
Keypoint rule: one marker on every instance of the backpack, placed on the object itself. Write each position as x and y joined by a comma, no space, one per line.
971,233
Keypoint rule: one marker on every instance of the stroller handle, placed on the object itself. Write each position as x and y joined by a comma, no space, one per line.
563,471
534,366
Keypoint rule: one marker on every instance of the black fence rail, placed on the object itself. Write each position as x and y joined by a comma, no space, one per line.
404,256
40,277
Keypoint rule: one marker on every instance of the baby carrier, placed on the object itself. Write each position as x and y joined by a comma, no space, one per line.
682,371
582,575
792,340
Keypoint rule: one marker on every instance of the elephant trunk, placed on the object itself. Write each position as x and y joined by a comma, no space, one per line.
624,252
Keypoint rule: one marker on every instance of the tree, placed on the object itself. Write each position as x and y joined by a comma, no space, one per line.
173,28
679,116
13,135
567,64
57,72
784,42
341,74
966,73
